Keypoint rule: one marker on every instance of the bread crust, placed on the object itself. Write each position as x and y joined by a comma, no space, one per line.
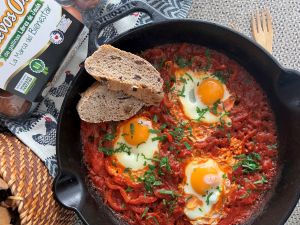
99,104
121,70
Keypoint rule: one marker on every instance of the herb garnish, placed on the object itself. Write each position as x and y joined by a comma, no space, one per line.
144,213
140,144
246,80
182,91
272,147
201,113
189,76
263,180
154,131
182,64
110,151
153,218
168,86
208,57
189,198
131,129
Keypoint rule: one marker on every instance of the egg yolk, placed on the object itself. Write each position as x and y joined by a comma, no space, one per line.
210,90
135,131
204,178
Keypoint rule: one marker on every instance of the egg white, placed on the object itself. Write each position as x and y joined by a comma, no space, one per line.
191,101
205,211
135,160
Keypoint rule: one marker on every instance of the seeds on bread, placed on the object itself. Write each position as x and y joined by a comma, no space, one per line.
99,104
121,70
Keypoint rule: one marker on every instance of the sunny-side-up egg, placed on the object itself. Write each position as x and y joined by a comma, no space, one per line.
207,183
135,134
201,90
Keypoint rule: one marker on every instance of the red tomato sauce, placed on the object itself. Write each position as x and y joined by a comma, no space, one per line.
253,125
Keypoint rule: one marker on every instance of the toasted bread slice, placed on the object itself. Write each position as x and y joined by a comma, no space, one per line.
128,72
99,104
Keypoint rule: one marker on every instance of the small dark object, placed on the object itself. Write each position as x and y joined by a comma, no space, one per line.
4,194
281,86
137,77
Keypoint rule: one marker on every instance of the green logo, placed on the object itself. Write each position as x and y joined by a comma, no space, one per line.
38,66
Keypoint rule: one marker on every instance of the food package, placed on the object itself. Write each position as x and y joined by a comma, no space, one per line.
37,40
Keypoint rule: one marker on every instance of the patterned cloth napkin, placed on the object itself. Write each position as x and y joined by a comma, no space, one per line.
39,131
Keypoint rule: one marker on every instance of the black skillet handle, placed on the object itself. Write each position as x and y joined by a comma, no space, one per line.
288,88
117,14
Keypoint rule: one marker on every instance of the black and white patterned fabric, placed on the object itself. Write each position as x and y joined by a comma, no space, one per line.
39,131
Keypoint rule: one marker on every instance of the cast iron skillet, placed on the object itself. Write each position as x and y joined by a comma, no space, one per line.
72,187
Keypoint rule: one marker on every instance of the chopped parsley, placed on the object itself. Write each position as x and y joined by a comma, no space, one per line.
272,147
208,196
154,131
254,142
112,162
187,145
215,106
189,198
131,176
173,77
182,91
155,118
183,80
220,76
257,155
168,86
239,156
219,189
228,136
200,209
182,64
143,54
131,129
245,196
246,80
126,169
167,192
140,144
233,178
123,205
128,189
201,113
250,164
162,62
163,126
224,176
153,218
208,57
190,129
189,76
263,180
144,213
160,138
110,151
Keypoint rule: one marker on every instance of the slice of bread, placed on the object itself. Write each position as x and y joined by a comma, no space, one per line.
128,72
99,104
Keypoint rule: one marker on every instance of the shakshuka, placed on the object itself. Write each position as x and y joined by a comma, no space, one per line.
206,155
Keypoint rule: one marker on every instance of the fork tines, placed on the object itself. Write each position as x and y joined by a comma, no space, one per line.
263,34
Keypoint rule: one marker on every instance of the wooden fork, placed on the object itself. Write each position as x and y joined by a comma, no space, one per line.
263,35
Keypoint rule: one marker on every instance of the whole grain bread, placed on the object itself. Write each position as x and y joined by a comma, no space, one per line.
99,104
125,71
